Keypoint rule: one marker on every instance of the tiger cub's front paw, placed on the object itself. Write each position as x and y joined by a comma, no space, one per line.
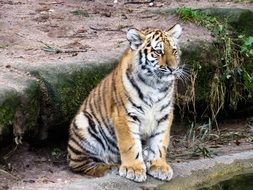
134,172
161,170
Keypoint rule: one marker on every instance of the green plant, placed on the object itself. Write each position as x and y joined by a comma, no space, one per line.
248,82
56,153
203,151
199,132
247,45
188,14
230,77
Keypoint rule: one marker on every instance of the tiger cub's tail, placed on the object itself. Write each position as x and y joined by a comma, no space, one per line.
91,167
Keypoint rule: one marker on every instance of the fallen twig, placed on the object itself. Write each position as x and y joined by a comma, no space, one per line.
105,29
147,16
55,50
137,2
9,174
73,36
52,3
9,154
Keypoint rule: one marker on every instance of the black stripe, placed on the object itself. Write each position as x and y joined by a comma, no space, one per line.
157,38
102,134
132,81
114,91
130,147
134,105
120,97
109,141
162,119
160,152
160,99
96,137
78,144
156,134
151,150
81,167
97,105
89,165
137,156
104,101
84,150
78,160
134,117
74,150
165,89
144,81
74,125
99,101
146,56
165,106
93,113
80,138
96,159
140,57
164,148
131,101
86,102
90,121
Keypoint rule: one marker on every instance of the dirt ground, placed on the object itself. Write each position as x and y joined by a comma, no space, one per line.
37,32
32,31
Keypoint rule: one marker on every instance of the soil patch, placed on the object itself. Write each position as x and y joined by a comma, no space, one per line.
32,31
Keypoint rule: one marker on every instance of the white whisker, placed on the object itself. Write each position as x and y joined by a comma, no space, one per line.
183,73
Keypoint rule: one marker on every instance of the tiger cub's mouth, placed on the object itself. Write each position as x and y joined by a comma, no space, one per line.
164,71
181,72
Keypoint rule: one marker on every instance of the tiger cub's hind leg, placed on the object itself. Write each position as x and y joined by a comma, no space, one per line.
85,152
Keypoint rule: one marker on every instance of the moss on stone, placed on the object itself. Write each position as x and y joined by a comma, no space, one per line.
10,100
26,101
67,89
74,88
32,108
7,108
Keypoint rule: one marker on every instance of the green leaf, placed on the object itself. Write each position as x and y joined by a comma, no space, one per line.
249,41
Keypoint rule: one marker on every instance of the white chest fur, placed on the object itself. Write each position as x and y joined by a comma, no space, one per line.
154,106
148,105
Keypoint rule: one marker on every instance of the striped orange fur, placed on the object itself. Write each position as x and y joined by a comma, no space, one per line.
124,124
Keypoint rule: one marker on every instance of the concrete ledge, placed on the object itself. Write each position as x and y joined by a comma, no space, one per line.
199,173
188,175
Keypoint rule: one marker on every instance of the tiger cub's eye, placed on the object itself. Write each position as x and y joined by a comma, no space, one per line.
158,52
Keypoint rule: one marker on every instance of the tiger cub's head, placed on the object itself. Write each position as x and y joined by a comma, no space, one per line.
156,52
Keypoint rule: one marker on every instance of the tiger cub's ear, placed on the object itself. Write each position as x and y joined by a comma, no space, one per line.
175,31
135,38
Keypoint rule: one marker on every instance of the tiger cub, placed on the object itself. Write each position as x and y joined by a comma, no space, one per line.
124,124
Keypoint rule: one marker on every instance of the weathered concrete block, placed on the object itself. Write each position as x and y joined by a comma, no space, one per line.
19,105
